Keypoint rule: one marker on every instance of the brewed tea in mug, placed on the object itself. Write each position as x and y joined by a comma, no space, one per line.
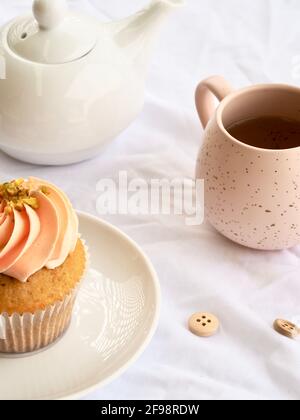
268,132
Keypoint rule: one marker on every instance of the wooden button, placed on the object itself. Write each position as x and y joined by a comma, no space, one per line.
204,324
286,328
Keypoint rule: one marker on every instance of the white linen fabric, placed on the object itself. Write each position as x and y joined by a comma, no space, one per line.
249,41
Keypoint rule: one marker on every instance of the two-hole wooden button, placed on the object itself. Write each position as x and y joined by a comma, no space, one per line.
286,328
204,324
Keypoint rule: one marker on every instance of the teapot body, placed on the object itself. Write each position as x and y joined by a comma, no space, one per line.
252,195
62,114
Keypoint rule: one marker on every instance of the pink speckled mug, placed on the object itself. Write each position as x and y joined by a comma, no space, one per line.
252,195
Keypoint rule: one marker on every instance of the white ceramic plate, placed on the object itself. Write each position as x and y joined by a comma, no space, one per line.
115,317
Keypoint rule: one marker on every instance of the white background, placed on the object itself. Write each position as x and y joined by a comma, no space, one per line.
249,41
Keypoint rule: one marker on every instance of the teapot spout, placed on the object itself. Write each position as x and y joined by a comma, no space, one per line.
138,33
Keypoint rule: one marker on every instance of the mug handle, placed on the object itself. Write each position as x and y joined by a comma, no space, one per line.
215,85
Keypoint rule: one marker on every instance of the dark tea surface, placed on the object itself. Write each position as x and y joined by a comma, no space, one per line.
267,132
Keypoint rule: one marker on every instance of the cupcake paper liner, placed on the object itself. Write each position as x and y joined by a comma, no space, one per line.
26,333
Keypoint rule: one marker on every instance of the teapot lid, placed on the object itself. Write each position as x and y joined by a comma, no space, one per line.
53,35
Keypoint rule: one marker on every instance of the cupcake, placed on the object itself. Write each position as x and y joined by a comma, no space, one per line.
42,261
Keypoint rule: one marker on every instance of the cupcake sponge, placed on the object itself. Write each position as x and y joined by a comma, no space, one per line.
44,288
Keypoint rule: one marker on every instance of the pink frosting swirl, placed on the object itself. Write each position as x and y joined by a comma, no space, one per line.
33,238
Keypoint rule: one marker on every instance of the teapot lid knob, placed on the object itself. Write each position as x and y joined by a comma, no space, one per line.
49,13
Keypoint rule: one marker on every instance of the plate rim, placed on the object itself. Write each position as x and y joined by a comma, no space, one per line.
148,337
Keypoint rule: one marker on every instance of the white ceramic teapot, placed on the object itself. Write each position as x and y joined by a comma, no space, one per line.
70,84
